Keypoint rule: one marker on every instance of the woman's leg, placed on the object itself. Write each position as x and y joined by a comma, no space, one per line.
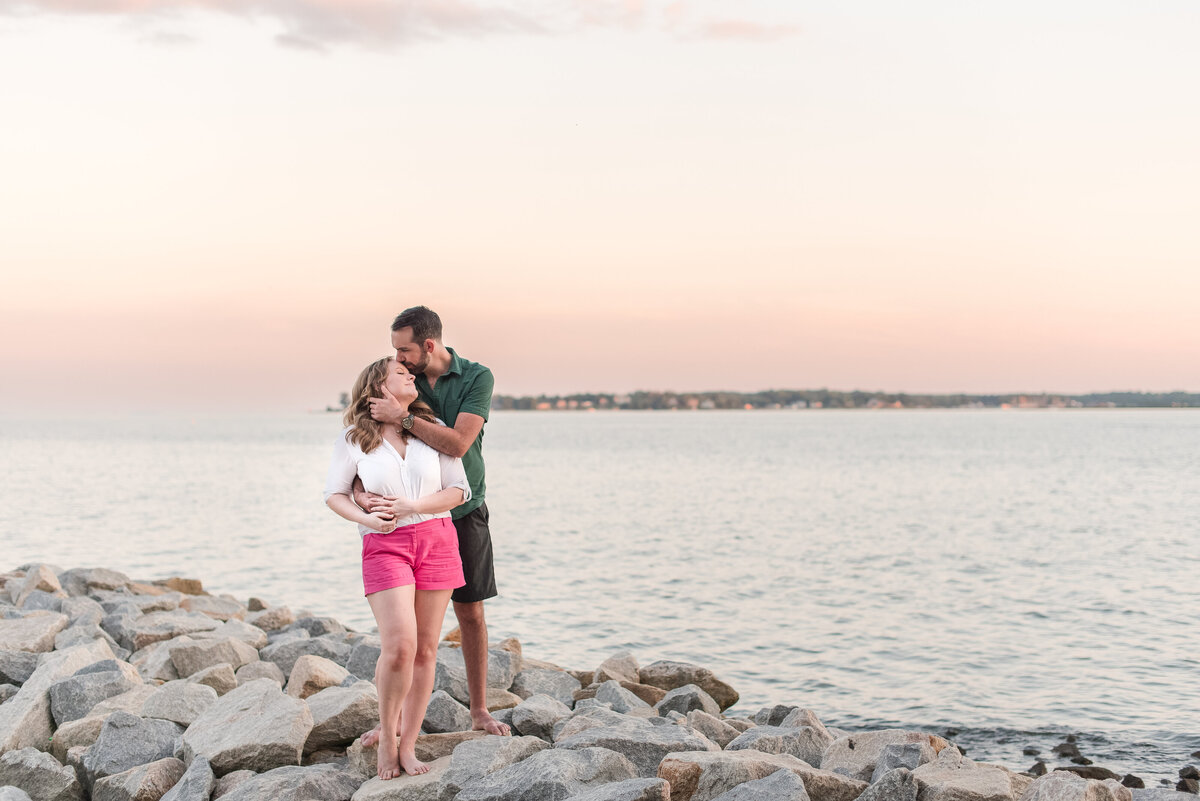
430,607
394,613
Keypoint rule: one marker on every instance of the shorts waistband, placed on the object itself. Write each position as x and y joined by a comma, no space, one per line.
422,527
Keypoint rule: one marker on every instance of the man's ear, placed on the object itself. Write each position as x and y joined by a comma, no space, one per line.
430,345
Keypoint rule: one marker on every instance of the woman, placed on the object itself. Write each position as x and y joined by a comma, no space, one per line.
410,560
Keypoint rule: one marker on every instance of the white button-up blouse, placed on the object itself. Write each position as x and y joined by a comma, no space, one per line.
421,471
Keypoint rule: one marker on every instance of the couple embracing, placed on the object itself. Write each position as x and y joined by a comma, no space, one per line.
408,469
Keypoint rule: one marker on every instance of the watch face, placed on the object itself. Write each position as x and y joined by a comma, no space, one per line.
407,422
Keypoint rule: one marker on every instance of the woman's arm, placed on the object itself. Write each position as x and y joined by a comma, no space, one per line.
340,502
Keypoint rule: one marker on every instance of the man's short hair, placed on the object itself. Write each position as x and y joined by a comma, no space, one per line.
423,321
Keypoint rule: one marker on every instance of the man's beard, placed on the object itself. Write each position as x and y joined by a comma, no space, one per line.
417,368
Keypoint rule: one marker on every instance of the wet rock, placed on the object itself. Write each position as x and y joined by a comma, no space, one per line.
685,699
285,652
260,670
128,741
219,677
1030,750
1188,786
644,744
179,701
668,675
196,656
363,656
1038,769
475,759
445,714
713,727
702,776
902,755
620,666
273,619
805,743
311,674
423,787
1091,772
341,714
39,774
618,698
1058,785
226,784
1066,749
550,774
295,783
895,785
73,697
557,684
159,626
144,783
782,785
1133,782
17,666
628,790
255,726
856,754
34,632
256,604
196,784
537,715
217,608
25,719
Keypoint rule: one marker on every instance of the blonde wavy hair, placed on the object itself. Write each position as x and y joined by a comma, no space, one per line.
367,433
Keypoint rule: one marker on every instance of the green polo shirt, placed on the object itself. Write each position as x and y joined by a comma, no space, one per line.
466,387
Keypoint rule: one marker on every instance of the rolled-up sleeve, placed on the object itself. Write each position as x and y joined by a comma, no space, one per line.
454,475
342,468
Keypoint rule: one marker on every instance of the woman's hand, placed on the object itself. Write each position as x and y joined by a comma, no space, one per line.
394,506
380,522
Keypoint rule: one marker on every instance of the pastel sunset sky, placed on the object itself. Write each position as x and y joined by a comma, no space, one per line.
223,203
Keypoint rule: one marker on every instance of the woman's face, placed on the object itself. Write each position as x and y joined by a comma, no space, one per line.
400,382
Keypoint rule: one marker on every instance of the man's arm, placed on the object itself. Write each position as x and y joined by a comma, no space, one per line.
450,441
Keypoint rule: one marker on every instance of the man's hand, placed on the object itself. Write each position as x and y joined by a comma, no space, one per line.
388,409
396,507
366,500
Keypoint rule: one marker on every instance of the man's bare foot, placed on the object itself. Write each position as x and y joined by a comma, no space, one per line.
412,766
483,721
370,738
389,759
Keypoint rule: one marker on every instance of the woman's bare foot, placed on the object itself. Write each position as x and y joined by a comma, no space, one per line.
412,766
483,721
389,759
370,738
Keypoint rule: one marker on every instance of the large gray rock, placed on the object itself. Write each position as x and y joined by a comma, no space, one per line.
702,776
82,611
628,790
897,784
317,626
17,666
285,652
227,783
294,783
44,601
551,775
643,743
260,670
34,632
273,619
255,726
537,715
40,775
40,578
855,755
196,785
240,630
713,728
502,665
196,656
82,580
220,678
217,608
25,719
446,714
179,701
474,759
775,714
685,699
128,741
422,787
13,794
450,674
782,785
341,714
144,783
803,743
621,666
363,656
618,698
1059,785
584,718
311,674
558,684
901,755
77,635
159,626
73,698
667,675
1160,794
8,691
953,777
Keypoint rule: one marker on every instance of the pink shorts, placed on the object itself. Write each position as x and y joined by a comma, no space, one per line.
425,554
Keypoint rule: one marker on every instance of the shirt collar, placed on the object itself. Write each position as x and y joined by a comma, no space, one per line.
455,363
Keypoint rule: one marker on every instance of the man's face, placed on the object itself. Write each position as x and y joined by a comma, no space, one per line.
413,355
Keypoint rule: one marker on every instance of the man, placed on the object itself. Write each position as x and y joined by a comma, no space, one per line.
460,393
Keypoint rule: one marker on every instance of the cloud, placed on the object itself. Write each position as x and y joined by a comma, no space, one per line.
319,24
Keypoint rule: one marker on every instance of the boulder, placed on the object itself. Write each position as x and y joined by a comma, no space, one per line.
272,619
618,698
498,699
294,783
782,785
557,684
953,777
45,601
686,698
804,743
154,662
40,578
217,608
240,630
128,741
82,580
34,632
260,670
78,732
667,675
704,775
317,626
8,691
82,611
363,656
125,702
193,657
144,783
713,728
445,714
584,718
651,695
17,666
73,697
179,701
255,727
285,652
1160,794
311,674
77,635
13,794
39,774
474,759
901,755
450,675
1060,785
621,666
855,755
422,787
220,677
644,744
897,784
775,715
341,714
196,784
805,717
25,719
159,626
550,774
628,790
537,715
226,784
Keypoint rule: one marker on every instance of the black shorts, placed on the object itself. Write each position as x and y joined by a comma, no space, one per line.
475,548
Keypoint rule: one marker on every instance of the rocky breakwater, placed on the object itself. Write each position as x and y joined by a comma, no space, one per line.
122,690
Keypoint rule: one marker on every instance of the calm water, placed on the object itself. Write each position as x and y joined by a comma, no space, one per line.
1015,575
